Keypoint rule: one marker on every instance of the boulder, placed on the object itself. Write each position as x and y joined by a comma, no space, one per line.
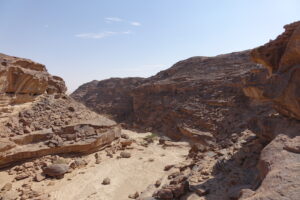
56,170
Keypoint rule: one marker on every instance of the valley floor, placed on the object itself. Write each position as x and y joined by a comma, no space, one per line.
127,175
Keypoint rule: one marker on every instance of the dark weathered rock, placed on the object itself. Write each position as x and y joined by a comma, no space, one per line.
106,181
115,98
196,96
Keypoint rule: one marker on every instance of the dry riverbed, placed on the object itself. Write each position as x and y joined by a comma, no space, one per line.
127,175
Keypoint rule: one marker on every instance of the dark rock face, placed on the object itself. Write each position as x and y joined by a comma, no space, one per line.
194,97
112,96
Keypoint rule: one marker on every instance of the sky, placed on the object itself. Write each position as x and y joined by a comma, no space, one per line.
85,40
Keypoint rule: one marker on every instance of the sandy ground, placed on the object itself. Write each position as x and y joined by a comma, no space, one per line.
127,175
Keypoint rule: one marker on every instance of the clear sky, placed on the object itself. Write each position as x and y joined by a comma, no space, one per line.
84,40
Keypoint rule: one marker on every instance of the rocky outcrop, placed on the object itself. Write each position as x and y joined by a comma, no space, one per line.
38,119
112,96
194,97
280,81
22,76
279,162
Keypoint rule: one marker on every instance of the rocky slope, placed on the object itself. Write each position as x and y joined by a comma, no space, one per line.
241,119
200,97
279,163
111,96
38,119
244,149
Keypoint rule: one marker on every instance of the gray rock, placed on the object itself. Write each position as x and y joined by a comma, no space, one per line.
56,170
125,154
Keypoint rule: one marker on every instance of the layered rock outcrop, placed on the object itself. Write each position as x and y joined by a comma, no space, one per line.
225,103
280,82
279,163
23,76
112,96
198,98
37,118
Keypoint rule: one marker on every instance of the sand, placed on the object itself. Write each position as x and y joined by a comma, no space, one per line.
127,175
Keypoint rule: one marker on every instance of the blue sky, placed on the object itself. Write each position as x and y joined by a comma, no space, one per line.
84,40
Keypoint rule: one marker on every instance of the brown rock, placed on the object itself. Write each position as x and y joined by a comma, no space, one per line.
157,183
38,80
22,176
163,194
39,177
50,122
126,143
134,196
168,167
281,58
106,181
6,187
202,94
114,88
201,191
125,154
124,136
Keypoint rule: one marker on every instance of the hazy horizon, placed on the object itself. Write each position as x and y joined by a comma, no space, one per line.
83,41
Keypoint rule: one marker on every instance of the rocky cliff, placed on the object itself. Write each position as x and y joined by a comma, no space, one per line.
241,116
279,163
111,96
37,118
197,98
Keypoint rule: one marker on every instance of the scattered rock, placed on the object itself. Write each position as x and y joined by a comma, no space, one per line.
124,136
125,154
22,176
98,158
163,194
168,167
6,187
126,143
106,181
157,183
134,196
39,177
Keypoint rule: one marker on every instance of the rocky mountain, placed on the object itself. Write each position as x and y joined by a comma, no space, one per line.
239,110
37,118
111,96
194,97
236,116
